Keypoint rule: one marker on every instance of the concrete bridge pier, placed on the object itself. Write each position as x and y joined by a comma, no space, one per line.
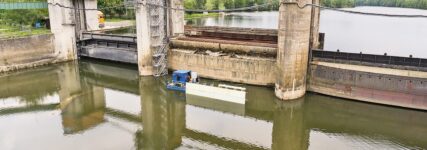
67,24
143,39
293,48
151,29
177,18
315,22
62,24
91,16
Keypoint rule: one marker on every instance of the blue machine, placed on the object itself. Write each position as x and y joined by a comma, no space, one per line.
179,78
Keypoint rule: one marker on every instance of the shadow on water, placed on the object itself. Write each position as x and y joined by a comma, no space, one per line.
109,105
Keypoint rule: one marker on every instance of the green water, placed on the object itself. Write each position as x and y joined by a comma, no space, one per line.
98,105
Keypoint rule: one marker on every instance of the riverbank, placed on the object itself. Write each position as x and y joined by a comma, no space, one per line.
7,31
200,15
420,4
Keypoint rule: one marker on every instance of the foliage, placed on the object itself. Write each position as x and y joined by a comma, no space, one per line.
15,1
230,4
23,16
338,3
114,8
420,4
7,31
192,16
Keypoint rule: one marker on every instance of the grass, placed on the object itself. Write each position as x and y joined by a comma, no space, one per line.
200,15
7,31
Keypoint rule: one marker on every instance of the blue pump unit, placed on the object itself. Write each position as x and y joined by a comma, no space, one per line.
179,78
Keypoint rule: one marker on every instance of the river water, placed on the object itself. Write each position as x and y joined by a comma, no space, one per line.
90,105
349,32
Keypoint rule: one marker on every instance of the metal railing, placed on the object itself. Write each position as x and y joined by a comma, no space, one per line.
370,58
158,37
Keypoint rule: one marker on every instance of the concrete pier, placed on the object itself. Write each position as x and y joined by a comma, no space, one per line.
92,22
293,49
143,39
177,18
315,20
62,22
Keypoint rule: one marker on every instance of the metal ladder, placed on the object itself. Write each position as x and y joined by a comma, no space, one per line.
159,42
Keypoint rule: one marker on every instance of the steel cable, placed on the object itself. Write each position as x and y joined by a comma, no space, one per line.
218,10
252,8
358,12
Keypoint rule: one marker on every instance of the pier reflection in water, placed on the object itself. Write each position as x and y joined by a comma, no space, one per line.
99,105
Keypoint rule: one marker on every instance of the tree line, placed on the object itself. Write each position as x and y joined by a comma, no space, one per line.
230,4
419,4
30,16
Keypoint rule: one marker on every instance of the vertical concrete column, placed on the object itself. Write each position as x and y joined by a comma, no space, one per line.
62,25
177,17
143,39
92,22
315,20
293,45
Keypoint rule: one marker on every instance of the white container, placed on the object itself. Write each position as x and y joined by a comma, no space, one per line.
223,92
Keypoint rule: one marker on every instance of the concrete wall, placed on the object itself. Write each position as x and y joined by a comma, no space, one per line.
395,87
224,47
26,52
256,71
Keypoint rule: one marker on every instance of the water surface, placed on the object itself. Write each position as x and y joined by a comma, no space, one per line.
349,32
99,105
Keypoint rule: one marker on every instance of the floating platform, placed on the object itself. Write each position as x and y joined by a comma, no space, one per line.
222,92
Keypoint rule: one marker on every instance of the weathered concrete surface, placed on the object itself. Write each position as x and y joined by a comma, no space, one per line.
256,71
177,18
26,52
62,22
143,34
315,21
293,49
403,88
92,22
224,47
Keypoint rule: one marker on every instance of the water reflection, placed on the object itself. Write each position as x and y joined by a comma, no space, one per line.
98,105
